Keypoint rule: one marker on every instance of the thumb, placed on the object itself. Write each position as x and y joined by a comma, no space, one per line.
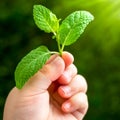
44,77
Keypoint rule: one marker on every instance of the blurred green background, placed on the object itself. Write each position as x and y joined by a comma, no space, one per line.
97,53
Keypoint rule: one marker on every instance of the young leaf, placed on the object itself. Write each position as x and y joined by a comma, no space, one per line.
45,19
73,26
30,64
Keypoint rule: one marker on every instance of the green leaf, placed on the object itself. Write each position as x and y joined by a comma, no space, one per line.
30,64
73,26
45,19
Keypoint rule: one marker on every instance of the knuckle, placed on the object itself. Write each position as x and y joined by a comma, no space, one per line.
85,104
74,68
83,83
84,100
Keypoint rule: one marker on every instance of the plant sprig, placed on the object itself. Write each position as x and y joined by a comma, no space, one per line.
65,34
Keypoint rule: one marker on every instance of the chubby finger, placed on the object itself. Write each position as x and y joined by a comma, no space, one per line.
68,58
78,84
68,74
78,102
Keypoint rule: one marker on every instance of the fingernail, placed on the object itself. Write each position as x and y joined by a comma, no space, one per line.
66,91
52,58
67,106
56,60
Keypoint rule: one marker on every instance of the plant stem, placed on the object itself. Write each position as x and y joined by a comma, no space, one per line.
54,52
62,47
59,47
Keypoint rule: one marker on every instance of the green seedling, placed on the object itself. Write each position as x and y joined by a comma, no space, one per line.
65,34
